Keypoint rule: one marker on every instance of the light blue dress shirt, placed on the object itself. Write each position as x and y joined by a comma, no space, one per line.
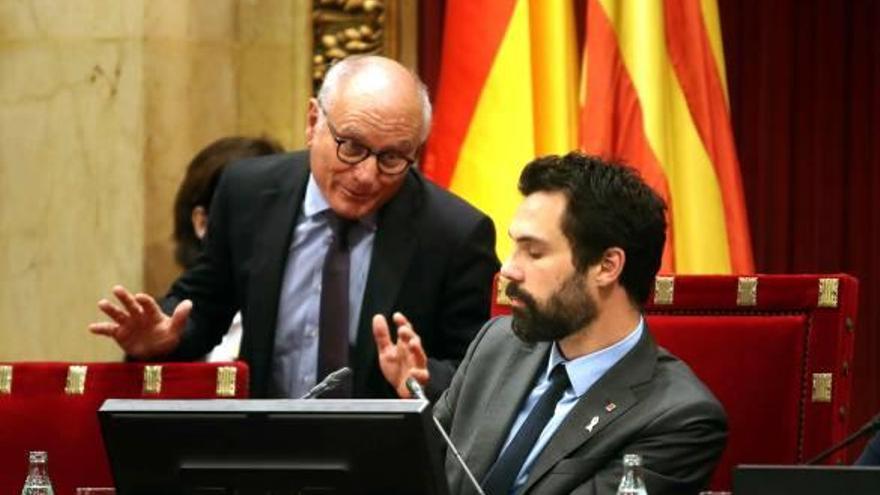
583,372
295,356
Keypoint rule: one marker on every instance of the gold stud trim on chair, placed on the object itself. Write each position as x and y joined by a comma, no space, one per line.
664,290
226,381
822,387
828,292
76,380
747,291
5,379
152,379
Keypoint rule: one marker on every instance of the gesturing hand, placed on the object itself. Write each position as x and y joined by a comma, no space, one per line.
139,326
402,359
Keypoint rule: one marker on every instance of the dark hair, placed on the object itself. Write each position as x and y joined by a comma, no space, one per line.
609,205
198,186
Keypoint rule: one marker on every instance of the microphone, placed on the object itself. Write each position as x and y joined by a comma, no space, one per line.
869,427
332,381
415,388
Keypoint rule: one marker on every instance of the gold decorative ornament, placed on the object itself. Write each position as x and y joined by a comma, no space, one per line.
152,379
828,289
5,379
747,291
822,387
226,381
346,27
501,292
76,380
664,290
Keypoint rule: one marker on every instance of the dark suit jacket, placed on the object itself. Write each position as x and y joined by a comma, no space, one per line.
433,259
660,410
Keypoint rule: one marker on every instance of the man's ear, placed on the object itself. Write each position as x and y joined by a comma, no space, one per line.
610,266
312,120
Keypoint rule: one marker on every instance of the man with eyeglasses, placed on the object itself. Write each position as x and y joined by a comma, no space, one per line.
319,246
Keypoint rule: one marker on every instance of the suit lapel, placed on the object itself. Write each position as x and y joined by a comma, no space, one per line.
504,405
606,401
393,250
277,210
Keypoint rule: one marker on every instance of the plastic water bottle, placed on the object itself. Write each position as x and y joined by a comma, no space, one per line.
37,481
632,483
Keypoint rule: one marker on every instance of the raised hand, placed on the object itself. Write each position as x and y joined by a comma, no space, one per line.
402,359
139,326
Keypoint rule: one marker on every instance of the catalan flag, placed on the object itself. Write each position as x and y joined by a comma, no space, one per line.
654,95
507,93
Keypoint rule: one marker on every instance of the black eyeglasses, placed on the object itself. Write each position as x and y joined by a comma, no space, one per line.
352,152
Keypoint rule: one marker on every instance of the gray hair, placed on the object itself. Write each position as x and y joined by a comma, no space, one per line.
345,67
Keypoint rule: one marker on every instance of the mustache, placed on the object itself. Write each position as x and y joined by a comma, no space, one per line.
514,291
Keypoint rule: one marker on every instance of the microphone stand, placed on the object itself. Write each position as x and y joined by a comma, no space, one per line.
416,390
869,427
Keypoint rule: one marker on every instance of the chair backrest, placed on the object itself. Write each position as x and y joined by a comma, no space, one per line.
775,350
53,407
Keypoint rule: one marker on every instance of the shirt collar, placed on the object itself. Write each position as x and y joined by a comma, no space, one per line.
315,204
584,371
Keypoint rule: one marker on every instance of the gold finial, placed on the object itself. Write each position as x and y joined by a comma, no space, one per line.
828,289
226,381
76,380
747,291
5,379
152,379
664,290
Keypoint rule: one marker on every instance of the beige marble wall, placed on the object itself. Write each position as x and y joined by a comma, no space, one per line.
102,103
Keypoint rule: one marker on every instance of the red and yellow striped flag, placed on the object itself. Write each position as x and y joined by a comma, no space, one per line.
507,93
653,94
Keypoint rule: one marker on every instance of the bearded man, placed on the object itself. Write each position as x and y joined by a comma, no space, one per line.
549,400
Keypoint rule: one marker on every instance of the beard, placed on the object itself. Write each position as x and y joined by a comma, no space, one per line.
566,311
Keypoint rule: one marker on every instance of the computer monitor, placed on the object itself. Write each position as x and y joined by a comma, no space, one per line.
244,447
805,480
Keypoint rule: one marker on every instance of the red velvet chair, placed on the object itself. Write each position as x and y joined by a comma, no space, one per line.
775,350
52,407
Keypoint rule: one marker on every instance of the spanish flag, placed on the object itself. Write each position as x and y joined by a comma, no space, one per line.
654,95
507,93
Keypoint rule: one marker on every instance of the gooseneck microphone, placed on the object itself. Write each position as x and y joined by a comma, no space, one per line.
869,427
415,388
332,381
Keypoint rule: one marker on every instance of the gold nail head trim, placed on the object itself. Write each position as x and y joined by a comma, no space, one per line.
828,288
152,379
226,381
747,291
664,290
500,292
76,380
822,387
5,379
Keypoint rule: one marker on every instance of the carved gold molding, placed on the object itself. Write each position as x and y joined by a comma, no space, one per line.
362,27
345,27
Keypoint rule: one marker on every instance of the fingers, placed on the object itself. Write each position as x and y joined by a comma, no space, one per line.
178,319
128,302
381,334
104,328
400,319
110,309
413,343
149,307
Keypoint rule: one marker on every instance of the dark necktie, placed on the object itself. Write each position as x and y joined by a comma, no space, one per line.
502,474
333,338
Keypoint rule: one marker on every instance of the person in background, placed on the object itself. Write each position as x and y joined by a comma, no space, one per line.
312,246
192,204
871,455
